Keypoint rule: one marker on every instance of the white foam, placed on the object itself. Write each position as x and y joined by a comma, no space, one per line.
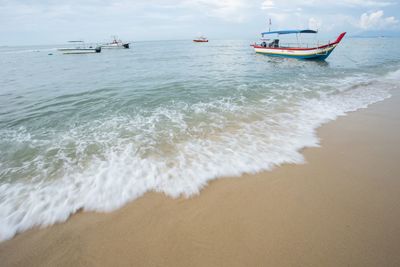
166,153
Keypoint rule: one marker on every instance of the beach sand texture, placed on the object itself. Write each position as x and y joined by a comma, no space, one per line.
341,208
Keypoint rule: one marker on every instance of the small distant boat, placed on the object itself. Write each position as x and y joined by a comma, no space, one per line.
201,39
82,48
273,47
115,44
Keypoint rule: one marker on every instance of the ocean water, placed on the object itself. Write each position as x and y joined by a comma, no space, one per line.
93,132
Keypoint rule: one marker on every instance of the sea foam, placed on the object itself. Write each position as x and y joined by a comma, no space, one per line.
166,152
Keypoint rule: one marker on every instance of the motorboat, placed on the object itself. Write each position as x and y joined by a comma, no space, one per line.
116,43
201,39
81,48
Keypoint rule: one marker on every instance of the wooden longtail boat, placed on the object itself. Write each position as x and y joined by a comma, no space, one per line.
316,52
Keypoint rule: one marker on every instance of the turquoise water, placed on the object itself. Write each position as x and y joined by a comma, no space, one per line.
95,131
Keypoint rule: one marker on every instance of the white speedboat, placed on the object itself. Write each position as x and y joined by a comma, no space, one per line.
115,44
80,49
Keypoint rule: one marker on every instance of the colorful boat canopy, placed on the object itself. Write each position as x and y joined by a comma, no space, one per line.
289,32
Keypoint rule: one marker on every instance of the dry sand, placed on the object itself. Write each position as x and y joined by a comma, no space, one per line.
342,208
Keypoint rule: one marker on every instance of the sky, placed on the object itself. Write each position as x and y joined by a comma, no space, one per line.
55,22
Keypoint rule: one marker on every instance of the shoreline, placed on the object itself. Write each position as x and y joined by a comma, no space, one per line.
340,208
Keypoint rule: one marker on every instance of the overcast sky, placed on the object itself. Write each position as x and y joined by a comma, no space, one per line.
52,22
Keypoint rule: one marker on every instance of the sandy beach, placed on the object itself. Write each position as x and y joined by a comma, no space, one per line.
341,208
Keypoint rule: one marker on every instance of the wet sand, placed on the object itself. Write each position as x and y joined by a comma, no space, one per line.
341,208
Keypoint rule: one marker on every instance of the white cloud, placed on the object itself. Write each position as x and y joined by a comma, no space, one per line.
342,15
365,3
293,4
314,24
267,4
376,21
228,10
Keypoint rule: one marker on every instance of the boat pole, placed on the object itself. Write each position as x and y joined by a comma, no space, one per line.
269,26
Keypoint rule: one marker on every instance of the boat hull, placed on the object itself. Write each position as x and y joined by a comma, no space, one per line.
200,41
80,50
315,54
113,46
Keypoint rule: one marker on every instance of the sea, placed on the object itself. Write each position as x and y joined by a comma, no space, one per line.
94,132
